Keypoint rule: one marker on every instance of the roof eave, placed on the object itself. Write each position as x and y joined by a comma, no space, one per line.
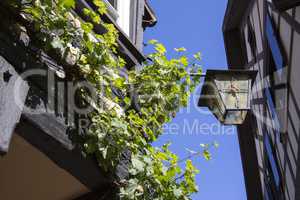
234,13
151,19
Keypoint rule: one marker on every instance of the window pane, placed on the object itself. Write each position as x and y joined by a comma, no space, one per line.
275,171
272,109
274,44
268,193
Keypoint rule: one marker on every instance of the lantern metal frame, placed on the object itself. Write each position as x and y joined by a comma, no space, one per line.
209,94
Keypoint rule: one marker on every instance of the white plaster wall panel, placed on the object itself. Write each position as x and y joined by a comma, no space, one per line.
258,89
261,13
285,35
295,69
297,15
257,28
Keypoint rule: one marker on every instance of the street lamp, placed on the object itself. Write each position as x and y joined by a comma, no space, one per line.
227,94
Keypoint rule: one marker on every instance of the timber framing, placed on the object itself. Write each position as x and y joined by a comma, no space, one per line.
237,59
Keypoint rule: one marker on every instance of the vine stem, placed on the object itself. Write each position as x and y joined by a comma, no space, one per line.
190,157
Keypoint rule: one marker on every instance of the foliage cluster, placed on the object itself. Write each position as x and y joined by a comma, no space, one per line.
146,100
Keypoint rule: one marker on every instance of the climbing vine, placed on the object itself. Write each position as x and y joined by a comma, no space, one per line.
129,110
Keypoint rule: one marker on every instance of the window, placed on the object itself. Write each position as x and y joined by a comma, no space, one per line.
272,173
275,64
272,108
120,11
274,44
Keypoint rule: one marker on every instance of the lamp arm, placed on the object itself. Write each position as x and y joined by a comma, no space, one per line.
197,74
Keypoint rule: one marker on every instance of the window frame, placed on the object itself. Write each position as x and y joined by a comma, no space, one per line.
272,163
274,44
116,11
272,109
275,62
112,9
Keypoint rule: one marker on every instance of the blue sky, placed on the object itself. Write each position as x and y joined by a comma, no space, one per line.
197,26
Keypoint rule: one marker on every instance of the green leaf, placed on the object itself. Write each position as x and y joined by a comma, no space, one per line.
127,100
160,48
101,6
184,60
35,12
67,3
197,56
177,192
137,164
216,144
202,145
152,42
161,156
181,49
96,19
119,82
206,155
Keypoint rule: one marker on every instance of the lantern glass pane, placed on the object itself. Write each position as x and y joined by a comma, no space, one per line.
235,117
227,94
214,101
234,91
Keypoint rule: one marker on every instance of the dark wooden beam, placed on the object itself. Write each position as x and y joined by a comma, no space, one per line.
150,18
249,159
109,193
283,5
234,14
84,169
235,49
